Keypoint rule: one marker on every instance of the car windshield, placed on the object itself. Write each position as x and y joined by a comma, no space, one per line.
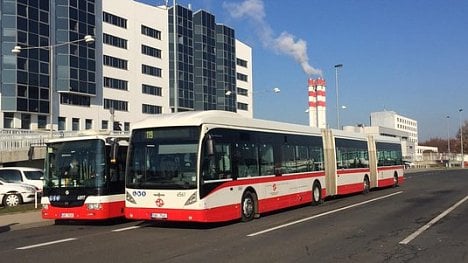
34,175
163,158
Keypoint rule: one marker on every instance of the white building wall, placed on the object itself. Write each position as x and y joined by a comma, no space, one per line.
245,52
137,14
391,119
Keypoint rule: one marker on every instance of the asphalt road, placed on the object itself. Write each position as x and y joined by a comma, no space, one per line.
425,220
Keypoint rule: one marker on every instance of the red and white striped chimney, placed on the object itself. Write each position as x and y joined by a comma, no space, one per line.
317,105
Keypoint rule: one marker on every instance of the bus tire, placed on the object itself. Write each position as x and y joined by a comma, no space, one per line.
248,206
395,179
316,193
366,185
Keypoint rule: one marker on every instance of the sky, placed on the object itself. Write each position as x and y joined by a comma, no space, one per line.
410,57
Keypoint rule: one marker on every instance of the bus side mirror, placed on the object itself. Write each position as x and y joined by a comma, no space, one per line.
114,152
209,146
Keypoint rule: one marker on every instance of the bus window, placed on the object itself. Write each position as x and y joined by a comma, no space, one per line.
302,159
247,160
218,164
223,161
267,164
288,163
316,158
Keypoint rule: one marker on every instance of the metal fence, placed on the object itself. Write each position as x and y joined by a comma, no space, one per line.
14,139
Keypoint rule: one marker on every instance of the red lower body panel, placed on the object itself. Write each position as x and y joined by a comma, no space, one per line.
108,210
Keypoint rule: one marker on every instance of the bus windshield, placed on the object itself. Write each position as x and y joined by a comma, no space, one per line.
163,158
75,164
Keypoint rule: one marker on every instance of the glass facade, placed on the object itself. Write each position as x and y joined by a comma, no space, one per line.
206,62
226,64
184,59
75,62
44,29
25,76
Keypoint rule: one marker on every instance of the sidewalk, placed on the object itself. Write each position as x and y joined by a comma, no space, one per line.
17,221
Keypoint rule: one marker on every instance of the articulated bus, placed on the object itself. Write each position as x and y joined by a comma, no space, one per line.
216,166
85,177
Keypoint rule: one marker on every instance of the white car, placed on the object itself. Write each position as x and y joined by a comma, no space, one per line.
13,194
27,175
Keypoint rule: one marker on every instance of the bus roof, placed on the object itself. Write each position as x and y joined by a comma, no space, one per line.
232,119
90,136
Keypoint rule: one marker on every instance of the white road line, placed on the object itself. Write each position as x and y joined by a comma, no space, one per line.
322,214
47,243
125,228
433,221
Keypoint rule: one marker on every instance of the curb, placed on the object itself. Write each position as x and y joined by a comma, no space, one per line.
18,221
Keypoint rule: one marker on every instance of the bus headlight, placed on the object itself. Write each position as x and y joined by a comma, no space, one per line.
94,206
192,199
129,198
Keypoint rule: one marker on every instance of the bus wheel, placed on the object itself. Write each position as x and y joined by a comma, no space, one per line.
366,185
395,180
248,206
316,194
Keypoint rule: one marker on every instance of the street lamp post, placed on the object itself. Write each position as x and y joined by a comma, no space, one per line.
337,101
461,139
17,49
448,135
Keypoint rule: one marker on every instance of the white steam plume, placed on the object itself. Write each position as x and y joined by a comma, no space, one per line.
285,43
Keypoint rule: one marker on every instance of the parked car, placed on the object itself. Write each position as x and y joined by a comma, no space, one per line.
28,175
14,194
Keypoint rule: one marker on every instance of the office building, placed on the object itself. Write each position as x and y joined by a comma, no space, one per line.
126,74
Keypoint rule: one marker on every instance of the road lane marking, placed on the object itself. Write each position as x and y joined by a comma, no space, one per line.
432,222
126,228
47,243
320,215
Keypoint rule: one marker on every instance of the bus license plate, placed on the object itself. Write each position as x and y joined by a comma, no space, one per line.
158,216
68,215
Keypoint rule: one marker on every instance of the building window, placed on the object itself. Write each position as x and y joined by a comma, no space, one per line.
115,83
75,124
104,125
115,62
116,104
148,31
75,99
242,77
153,71
242,92
8,118
26,121
115,41
61,123
152,90
242,106
88,124
151,109
126,126
241,62
150,51
41,121
114,20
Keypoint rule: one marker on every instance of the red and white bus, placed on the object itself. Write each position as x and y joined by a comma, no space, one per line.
215,166
85,177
